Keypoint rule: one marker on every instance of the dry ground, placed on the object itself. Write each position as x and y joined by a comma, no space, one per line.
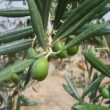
50,94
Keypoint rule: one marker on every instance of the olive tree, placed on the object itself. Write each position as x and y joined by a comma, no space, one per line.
58,27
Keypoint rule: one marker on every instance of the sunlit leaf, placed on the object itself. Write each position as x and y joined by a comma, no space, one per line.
90,107
93,85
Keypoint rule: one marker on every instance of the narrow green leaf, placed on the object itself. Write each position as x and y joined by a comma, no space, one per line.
66,14
104,31
103,12
37,23
14,12
17,67
15,46
84,35
18,106
23,98
77,15
98,40
45,12
96,63
93,85
29,103
61,7
90,107
93,94
28,77
16,34
72,87
84,20
69,90
39,5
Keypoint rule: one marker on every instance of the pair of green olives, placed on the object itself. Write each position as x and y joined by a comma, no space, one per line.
63,54
39,69
104,91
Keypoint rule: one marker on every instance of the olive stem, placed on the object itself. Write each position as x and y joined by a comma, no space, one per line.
42,54
46,56
33,41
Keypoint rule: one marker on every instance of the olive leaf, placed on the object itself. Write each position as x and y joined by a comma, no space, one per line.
84,35
87,18
71,89
93,85
14,12
89,107
93,94
23,98
104,31
28,76
78,17
17,67
66,14
15,46
96,63
16,34
29,103
61,7
39,5
37,23
104,10
45,12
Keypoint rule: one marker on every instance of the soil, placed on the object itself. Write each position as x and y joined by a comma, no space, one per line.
50,94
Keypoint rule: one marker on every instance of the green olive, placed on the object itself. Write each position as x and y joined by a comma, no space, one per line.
8,79
15,78
31,52
39,70
73,50
58,46
105,93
